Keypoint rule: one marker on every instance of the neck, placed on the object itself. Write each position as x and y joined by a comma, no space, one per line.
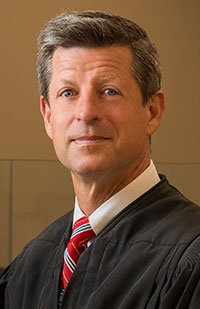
93,190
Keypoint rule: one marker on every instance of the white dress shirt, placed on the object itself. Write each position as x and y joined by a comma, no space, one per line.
110,208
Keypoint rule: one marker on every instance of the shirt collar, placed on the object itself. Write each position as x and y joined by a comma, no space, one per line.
110,208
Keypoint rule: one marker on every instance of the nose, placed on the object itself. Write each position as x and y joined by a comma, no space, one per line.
88,108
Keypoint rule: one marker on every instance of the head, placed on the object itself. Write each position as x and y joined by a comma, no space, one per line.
100,94
99,29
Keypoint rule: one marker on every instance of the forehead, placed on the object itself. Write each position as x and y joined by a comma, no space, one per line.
114,59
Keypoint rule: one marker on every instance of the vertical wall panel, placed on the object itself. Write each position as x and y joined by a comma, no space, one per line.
4,220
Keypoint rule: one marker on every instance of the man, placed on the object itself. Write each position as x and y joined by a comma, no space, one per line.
101,100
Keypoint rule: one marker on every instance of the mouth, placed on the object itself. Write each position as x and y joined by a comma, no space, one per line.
89,140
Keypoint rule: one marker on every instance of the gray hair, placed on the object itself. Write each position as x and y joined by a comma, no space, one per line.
99,29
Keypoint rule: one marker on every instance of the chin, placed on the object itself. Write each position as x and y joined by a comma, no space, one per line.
86,164
89,168
87,171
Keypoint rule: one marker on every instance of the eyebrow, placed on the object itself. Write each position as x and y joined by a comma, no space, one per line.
107,78
97,79
67,79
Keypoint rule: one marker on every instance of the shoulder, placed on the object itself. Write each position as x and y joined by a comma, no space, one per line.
53,234
40,248
174,218
179,217
163,216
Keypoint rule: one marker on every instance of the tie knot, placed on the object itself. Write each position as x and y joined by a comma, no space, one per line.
82,231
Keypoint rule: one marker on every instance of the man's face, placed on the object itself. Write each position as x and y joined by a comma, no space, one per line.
96,118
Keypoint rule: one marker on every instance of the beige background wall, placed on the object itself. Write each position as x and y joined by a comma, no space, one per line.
41,188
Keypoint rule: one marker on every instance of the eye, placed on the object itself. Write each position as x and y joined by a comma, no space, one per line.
111,92
68,93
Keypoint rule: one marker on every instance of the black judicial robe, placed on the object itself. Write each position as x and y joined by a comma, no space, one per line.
148,256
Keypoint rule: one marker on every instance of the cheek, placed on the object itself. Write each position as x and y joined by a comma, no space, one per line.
59,128
59,120
133,123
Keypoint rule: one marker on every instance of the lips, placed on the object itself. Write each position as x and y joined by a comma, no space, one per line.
89,140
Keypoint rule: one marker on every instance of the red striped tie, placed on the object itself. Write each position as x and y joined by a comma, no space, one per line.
81,234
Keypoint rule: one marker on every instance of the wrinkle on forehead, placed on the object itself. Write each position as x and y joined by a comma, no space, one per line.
114,56
103,65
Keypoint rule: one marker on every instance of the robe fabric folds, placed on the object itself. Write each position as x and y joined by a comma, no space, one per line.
148,256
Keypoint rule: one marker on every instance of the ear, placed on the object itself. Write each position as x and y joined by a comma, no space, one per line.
46,113
155,108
